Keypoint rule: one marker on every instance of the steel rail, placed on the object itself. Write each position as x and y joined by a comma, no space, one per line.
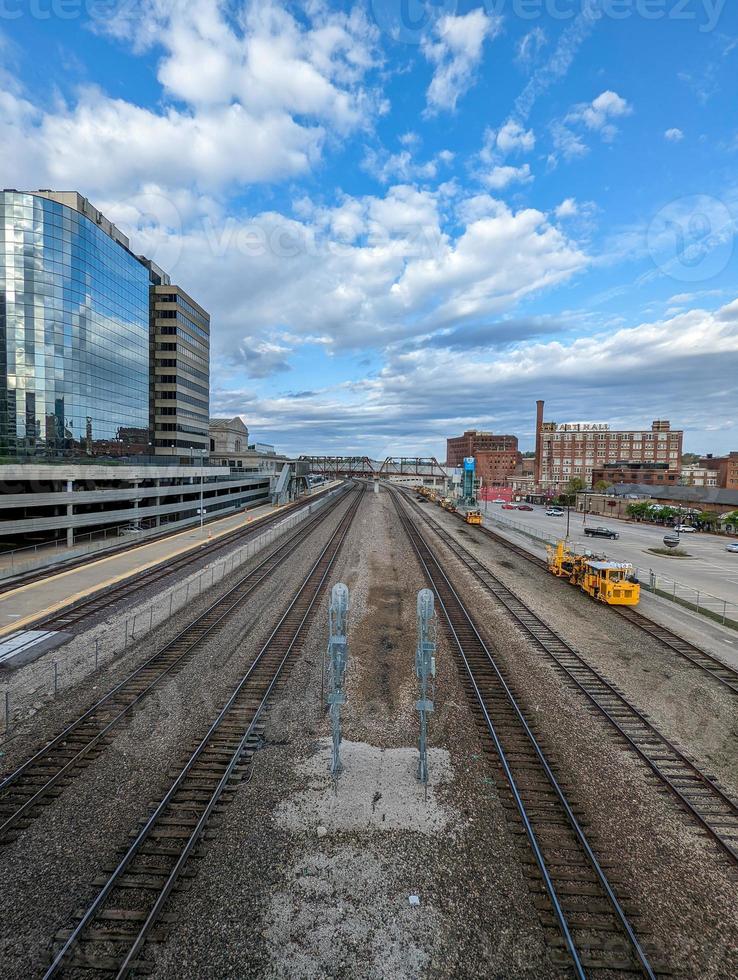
86,607
718,813
313,581
192,636
440,582
30,576
715,668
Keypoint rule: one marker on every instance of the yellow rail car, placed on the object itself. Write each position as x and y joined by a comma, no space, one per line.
473,517
611,582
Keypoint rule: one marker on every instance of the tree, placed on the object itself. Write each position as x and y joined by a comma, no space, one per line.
601,486
708,518
690,459
573,487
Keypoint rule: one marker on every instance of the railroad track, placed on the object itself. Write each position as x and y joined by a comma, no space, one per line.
113,930
586,925
71,616
721,672
39,574
49,771
700,795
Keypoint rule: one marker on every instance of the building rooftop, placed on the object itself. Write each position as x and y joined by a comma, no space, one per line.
705,495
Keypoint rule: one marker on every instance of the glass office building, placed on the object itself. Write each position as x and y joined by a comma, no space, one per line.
74,332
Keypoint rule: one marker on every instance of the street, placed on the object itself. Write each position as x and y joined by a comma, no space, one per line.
710,567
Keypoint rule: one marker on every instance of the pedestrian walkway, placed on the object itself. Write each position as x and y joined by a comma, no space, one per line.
28,603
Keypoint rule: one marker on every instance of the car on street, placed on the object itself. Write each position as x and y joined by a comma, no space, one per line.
601,532
554,512
684,529
524,507
499,500
509,507
732,547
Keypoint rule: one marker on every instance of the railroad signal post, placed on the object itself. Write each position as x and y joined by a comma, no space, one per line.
337,655
425,669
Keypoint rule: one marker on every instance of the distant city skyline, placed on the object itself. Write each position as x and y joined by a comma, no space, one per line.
402,229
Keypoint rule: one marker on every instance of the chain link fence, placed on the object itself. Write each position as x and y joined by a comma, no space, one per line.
35,684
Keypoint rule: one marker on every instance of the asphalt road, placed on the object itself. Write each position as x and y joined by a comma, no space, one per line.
709,569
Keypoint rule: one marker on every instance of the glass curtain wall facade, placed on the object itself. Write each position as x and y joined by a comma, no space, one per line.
74,335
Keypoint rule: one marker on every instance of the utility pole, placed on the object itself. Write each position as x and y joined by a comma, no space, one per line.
425,669
337,656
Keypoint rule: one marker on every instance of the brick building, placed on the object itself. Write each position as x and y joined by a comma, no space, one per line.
724,468
649,474
576,449
497,457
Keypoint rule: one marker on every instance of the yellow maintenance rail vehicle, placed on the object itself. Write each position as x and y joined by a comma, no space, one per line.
611,582
473,517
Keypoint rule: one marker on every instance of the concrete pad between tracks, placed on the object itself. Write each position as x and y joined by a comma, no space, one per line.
378,790
28,603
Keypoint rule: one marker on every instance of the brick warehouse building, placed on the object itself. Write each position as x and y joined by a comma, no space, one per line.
725,469
497,457
576,449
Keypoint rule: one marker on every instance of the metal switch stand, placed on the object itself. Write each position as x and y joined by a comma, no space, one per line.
337,655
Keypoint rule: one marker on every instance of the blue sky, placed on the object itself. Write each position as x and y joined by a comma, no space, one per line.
409,218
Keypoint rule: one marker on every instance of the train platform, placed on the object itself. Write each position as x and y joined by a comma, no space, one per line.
40,598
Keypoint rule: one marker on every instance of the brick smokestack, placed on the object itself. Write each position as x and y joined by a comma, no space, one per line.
539,440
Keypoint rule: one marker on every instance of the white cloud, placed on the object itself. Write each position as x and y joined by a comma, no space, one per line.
500,177
367,272
456,54
633,373
567,209
530,46
244,101
599,114
386,167
674,135
510,138
567,143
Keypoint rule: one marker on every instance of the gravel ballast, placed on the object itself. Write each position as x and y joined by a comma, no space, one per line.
369,874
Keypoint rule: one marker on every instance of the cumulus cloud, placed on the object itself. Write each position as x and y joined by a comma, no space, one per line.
567,209
386,167
629,373
245,99
366,272
456,52
674,135
500,177
510,138
598,115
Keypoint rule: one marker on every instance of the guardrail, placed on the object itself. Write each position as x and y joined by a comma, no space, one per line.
722,611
